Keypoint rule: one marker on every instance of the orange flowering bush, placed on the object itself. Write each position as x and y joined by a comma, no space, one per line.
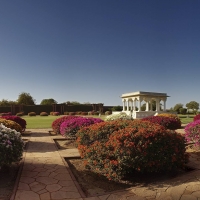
117,148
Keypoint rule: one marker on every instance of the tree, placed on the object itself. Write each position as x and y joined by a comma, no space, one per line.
25,99
5,102
72,103
193,105
117,108
177,107
48,101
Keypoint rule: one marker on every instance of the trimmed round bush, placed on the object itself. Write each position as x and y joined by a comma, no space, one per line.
138,146
192,132
56,114
108,113
6,114
167,122
70,127
20,114
197,117
174,116
11,124
11,146
31,114
84,113
100,132
43,114
56,123
72,113
121,116
18,120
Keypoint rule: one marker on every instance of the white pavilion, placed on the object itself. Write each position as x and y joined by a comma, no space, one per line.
134,100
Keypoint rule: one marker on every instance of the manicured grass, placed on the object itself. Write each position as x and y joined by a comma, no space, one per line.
37,122
185,119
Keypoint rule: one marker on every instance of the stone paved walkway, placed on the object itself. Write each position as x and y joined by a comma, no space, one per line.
45,176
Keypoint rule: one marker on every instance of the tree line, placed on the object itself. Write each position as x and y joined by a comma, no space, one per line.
191,107
25,98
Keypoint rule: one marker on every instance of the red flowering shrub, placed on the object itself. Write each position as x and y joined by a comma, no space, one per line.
16,119
70,127
171,116
56,123
116,151
167,122
197,117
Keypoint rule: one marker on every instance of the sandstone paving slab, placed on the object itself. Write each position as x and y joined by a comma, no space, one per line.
53,187
63,195
188,197
29,195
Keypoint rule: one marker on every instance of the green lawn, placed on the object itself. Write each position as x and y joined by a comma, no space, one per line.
37,122
185,119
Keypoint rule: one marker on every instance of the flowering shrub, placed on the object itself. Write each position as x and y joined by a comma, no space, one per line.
121,115
167,122
6,114
100,132
11,146
70,127
11,124
116,151
108,113
84,113
72,113
20,114
192,132
43,114
91,113
56,123
174,116
56,113
18,120
197,117
32,114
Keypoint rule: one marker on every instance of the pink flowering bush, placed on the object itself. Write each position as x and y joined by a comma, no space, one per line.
16,119
11,146
192,132
69,128
197,117
56,123
6,114
168,122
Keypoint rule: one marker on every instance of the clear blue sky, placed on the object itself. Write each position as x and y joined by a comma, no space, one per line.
94,51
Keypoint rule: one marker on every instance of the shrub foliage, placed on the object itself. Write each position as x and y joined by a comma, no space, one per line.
118,148
197,117
168,122
18,120
11,124
11,146
70,127
56,123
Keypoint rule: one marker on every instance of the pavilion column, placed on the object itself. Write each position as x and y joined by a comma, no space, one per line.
127,104
131,105
139,106
151,105
134,105
157,105
164,109
147,105
123,101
